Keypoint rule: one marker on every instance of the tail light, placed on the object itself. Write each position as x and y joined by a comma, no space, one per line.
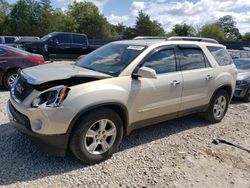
36,59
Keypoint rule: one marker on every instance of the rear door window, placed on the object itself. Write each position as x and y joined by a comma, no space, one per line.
220,55
192,58
79,39
9,40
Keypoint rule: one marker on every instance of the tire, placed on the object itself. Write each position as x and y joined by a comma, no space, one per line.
212,113
8,78
247,96
81,142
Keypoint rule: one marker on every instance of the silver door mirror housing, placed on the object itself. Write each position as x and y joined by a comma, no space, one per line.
145,72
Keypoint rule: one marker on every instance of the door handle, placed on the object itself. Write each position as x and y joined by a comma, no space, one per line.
209,77
3,61
175,83
67,46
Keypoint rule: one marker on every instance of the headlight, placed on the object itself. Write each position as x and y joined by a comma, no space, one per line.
241,82
52,97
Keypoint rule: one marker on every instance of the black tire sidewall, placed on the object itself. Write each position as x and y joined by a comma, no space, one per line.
247,97
217,95
77,140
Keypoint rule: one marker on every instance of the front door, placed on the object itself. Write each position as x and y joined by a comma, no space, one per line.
60,48
155,98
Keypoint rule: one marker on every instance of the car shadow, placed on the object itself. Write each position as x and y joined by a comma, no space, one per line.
21,161
2,89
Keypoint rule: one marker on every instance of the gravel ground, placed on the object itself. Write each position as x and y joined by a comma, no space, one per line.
176,153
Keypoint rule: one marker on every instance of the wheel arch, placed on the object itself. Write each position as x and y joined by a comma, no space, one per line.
228,88
117,107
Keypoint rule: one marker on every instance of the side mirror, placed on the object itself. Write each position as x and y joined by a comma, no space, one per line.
145,72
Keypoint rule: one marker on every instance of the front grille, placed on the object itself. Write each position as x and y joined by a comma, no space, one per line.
19,117
22,89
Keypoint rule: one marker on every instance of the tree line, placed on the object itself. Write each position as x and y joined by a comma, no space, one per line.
37,18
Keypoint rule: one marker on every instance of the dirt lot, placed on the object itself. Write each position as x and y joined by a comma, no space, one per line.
176,153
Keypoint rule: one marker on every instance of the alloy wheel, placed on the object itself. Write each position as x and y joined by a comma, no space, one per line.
100,137
220,107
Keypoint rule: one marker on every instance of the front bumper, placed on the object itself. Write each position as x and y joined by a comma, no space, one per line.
52,144
241,90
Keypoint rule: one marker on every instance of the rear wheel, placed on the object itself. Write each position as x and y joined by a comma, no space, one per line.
247,96
9,79
218,107
97,136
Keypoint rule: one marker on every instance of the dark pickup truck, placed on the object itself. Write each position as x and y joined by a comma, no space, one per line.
61,45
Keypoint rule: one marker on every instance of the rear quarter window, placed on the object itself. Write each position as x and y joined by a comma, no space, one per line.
220,55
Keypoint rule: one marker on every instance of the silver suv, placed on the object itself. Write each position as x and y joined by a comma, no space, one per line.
87,107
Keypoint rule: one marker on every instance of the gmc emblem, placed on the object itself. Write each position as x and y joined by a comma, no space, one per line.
19,88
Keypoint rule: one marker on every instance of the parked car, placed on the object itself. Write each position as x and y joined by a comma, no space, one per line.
13,59
243,80
61,45
89,106
239,53
8,40
25,39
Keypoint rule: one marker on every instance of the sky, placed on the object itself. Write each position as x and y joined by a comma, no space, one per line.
170,12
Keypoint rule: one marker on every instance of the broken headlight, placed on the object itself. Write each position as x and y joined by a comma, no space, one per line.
52,97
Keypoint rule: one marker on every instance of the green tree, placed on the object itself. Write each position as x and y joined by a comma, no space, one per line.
89,20
4,10
24,18
246,37
146,27
212,31
183,30
228,25
63,22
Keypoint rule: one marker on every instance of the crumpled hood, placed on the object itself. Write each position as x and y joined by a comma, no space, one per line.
58,71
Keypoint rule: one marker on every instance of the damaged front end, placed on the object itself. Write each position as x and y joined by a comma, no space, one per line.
51,93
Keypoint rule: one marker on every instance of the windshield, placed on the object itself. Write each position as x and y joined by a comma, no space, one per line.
46,37
111,59
242,64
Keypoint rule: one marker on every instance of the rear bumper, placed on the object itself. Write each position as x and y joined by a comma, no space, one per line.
52,144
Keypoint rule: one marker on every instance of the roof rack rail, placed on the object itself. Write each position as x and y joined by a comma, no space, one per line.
198,39
149,37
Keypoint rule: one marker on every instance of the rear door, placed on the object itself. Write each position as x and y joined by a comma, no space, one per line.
198,77
79,45
60,48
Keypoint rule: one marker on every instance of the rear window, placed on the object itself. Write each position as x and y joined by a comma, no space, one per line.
9,40
79,39
220,55
2,52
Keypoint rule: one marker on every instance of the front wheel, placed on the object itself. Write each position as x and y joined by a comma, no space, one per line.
97,136
218,107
